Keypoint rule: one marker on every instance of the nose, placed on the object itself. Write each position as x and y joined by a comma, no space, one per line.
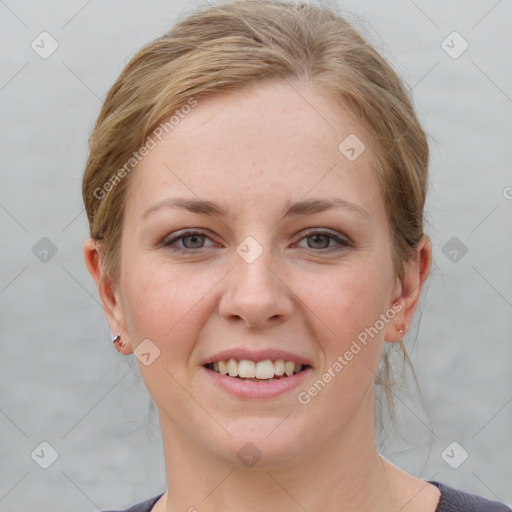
256,294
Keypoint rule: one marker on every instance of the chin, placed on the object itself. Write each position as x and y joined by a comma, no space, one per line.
262,443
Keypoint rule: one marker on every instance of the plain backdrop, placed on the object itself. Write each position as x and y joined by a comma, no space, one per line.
61,381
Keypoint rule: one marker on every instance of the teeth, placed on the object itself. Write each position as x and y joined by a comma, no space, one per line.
279,367
289,368
264,370
233,368
223,367
247,369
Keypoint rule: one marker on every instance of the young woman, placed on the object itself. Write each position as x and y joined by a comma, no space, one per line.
255,193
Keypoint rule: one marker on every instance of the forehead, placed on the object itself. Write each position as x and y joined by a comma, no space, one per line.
266,141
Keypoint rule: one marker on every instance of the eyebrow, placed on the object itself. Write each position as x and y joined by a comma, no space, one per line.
306,207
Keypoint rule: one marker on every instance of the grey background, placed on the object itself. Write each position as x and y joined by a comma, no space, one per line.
60,379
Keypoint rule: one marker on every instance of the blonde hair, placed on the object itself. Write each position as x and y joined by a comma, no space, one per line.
223,48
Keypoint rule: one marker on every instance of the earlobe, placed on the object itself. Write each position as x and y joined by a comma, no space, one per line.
396,329
416,271
121,346
110,302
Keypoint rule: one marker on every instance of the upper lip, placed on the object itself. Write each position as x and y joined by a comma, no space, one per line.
256,355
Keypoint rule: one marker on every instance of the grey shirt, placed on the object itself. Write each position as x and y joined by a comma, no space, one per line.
451,500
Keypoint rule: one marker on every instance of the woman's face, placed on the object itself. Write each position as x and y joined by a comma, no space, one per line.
289,259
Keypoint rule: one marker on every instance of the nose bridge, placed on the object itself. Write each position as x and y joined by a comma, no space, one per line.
254,275
254,293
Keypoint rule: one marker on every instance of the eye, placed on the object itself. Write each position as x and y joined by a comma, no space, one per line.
324,240
189,240
315,239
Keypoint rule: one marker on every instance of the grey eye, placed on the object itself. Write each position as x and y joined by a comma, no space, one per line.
318,241
193,241
323,240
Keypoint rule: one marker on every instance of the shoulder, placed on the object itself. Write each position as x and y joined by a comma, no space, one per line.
144,506
453,500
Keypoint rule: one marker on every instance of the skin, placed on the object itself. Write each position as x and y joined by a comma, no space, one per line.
251,152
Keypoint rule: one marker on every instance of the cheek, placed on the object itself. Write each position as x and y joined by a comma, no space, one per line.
165,303
347,298
347,304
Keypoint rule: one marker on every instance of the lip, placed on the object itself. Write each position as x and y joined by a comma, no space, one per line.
256,390
256,356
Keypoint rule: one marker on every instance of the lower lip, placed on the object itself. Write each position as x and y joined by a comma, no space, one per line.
249,389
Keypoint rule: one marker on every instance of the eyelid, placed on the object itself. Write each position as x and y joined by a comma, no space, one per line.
177,235
342,240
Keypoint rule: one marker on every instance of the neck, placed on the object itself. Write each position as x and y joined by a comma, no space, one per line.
343,472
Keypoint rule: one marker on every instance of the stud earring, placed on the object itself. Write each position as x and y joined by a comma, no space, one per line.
400,331
116,339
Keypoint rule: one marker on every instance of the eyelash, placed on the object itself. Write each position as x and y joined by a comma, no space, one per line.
343,242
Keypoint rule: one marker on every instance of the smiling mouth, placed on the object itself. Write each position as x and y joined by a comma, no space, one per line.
258,371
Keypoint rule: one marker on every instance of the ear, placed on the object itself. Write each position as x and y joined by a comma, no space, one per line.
109,295
408,290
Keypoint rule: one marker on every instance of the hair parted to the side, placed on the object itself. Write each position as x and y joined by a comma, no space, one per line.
226,47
